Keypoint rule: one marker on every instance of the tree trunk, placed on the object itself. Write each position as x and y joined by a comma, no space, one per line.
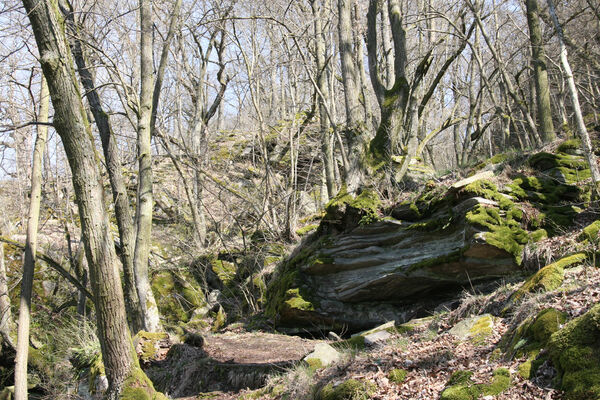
7,324
540,70
581,129
30,247
71,124
144,190
355,134
326,142
115,176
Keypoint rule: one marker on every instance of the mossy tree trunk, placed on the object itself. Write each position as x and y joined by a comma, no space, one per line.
31,246
71,123
540,71
145,203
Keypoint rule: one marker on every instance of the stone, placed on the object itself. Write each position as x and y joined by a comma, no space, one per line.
478,326
324,353
377,337
467,181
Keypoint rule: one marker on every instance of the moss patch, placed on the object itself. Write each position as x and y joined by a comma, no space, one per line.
548,278
576,354
352,389
397,375
177,295
137,386
461,387
147,344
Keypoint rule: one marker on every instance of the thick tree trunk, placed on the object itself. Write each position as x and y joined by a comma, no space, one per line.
144,191
540,71
117,182
71,124
30,247
581,129
355,132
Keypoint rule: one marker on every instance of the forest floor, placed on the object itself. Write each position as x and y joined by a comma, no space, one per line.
430,353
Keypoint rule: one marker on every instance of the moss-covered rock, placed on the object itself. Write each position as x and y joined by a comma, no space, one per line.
397,375
548,278
461,386
352,389
147,344
589,234
346,211
575,352
177,295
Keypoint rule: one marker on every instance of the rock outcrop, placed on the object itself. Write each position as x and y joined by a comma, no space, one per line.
359,269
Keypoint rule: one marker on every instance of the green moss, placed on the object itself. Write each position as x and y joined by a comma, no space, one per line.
225,270
524,370
355,343
500,382
352,389
220,320
504,233
149,342
569,146
314,363
306,229
590,233
546,323
295,300
397,375
481,329
137,386
461,387
177,295
575,353
548,278
538,235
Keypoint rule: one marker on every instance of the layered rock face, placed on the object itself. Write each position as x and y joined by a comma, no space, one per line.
375,272
360,269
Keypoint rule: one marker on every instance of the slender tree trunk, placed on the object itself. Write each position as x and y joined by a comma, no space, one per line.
30,247
115,176
144,190
326,142
581,129
540,71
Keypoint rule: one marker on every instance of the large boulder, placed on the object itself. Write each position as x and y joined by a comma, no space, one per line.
377,271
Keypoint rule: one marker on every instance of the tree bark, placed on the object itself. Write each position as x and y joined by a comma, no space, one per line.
71,124
31,247
326,142
7,324
144,190
115,176
540,71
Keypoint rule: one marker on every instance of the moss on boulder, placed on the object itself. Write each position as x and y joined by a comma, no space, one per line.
352,389
397,375
147,344
177,295
575,352
137,386
461,386
548,278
